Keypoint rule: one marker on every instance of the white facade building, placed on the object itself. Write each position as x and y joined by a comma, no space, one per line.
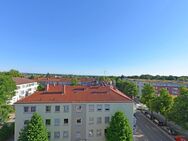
74,113
25,87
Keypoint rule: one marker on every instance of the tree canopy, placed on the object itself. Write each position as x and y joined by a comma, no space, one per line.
7,88
129,88
7,91
179,110
35,130
148,95
74,81
119,128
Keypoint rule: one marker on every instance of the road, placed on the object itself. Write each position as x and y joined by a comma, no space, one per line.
150,130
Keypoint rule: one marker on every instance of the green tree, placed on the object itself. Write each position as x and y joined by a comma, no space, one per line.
129,88
119,128
148,95
162,103
14,73
35,130
74,81
179,110
40,88
7,91
7,88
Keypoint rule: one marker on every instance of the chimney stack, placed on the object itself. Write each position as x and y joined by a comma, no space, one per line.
47,87
64,89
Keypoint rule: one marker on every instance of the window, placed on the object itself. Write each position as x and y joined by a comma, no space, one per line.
105,131
91,133
91,120
33,109
65,134
79,121
107,120
99,132
66,108
99,120
49,135
78,135
78,108
57,135
48,108
99,107
26,122
91,108
57,122
48,122
107,107
57,108
66,121
26,109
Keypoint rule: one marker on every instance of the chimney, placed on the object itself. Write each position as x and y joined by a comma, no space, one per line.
64,89
47,87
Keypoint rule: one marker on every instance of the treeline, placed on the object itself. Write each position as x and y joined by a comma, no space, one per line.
158,77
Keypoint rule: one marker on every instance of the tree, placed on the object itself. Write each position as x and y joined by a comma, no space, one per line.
179,110
129,88
119,128
7,91
14,73
35,130
74,81
148,95
162,103
40,88
7,88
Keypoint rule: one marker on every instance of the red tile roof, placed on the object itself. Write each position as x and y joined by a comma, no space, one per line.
77,94
20,80
63,79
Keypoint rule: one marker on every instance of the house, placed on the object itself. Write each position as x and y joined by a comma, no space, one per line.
74,113
24,87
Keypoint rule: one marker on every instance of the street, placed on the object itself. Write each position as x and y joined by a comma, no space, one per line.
150,130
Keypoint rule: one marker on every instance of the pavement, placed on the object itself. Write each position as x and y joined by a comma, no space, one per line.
151,132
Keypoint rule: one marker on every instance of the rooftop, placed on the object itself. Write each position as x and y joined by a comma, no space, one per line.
77,94
20,80
64,79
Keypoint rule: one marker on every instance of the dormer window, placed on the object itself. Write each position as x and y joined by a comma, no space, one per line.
78,108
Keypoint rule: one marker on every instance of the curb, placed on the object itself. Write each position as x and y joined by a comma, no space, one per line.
170,137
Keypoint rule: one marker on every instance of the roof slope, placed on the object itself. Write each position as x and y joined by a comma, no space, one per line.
20,80
77,94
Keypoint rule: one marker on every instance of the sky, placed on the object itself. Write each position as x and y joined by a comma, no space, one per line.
94,37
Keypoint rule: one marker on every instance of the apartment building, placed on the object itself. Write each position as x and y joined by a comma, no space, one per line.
25,87
172,87
66,81
74,113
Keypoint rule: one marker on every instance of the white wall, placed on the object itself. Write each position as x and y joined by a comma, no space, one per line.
127,108
22,91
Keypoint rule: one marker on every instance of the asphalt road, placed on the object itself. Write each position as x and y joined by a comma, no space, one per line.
150,130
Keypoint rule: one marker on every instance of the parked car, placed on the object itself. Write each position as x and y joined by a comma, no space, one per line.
181,138
171,131
158,122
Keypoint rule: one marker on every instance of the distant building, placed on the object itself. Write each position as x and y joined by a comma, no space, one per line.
74,113
171,86
25,87
66,81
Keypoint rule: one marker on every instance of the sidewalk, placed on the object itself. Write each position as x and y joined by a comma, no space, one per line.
139,136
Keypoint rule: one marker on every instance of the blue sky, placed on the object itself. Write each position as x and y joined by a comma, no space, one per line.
129,37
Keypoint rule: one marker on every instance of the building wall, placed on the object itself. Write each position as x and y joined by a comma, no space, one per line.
22,91
84,128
